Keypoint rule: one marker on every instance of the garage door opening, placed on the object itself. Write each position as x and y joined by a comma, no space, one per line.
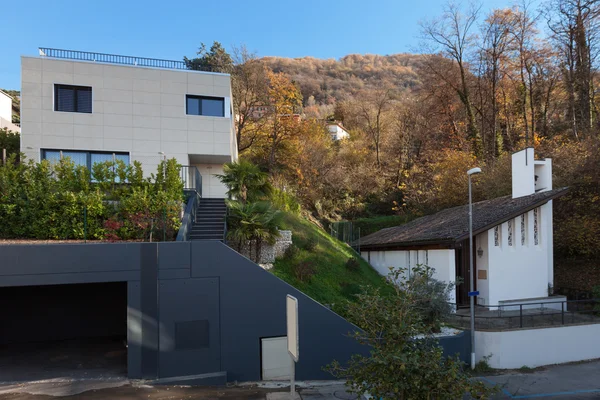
72,331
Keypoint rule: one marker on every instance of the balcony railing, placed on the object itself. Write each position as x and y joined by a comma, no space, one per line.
529,315
192,180
112,58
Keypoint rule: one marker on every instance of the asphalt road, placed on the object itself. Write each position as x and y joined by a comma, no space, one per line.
566,381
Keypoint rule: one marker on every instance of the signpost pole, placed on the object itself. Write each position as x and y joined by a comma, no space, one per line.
291,308
292,378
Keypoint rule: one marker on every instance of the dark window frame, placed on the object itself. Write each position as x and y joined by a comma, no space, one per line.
76,89
88,155
200,98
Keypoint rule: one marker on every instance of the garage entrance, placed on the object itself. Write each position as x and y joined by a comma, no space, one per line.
70,331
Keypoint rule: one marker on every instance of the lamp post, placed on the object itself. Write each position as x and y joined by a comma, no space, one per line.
471,172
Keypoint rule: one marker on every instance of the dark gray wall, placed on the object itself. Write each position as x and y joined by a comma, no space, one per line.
253,307
458,345
193,307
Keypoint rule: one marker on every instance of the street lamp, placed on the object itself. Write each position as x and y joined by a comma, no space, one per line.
471,172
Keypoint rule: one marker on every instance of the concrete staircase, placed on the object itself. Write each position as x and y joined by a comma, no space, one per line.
210,220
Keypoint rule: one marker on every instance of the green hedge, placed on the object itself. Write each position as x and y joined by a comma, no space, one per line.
65,201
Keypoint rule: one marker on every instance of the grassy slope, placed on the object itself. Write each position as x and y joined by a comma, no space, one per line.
332,283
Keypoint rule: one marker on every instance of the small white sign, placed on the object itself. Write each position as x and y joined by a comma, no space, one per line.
291,305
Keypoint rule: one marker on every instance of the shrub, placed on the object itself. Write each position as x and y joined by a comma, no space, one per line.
353,265
291,252
304,271
59,200
350,290
399,364
430,296
311,244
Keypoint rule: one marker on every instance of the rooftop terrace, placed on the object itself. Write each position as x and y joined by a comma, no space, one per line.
113,59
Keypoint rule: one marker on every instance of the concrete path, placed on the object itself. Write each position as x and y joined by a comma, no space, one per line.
566,381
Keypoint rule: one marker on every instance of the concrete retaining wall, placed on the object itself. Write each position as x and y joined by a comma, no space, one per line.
537,347
268,253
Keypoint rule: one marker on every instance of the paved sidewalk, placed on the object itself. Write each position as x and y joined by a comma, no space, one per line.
566,381
125,390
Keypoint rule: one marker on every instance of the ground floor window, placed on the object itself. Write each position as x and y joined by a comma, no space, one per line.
84,158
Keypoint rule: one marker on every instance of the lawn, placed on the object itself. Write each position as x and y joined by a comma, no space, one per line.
333,282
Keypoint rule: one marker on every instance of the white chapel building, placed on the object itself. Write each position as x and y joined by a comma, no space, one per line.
513,241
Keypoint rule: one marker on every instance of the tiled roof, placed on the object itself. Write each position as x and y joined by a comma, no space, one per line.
452,225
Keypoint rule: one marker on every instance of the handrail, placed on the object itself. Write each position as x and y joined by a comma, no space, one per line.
523,315
189,217
111,58
191,178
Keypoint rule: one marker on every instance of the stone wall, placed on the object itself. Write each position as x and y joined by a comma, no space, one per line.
269,253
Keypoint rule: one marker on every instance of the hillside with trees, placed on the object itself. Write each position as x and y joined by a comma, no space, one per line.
488,84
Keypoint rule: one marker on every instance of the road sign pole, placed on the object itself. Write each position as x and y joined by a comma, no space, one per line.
292,378
291,307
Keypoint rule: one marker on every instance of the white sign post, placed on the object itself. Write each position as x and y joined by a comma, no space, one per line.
291,308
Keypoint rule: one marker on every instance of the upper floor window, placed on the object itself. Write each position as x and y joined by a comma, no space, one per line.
203,105
69,98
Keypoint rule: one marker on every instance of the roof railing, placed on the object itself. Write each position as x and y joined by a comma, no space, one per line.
112,58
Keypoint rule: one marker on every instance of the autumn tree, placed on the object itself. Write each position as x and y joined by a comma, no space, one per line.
574,26
452,36
249,90
280,126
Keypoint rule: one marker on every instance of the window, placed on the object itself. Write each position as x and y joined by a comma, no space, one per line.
69,98
523,230
202,105
497,236
510,232
84,158
536,235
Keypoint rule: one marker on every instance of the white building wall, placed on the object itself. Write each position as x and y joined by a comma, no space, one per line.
137,110
523,174
442,261
6,113
5,106
519,271
482,264
537,347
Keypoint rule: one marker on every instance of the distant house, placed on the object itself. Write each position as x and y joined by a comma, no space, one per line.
6,113
513,240
337,131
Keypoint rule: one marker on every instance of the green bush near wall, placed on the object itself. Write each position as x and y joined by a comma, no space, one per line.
66,201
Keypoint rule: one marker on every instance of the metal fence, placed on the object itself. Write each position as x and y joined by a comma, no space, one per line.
191,178
112,58
529,315
347,233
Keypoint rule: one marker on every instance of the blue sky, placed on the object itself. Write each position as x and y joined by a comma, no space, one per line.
172,29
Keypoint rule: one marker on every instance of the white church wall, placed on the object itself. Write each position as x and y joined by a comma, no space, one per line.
442,261
519,270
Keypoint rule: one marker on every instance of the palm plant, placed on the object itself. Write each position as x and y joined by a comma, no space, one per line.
255,223
245,181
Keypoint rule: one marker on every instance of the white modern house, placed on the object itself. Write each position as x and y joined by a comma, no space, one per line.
337,131
6,113
94,107
513,242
